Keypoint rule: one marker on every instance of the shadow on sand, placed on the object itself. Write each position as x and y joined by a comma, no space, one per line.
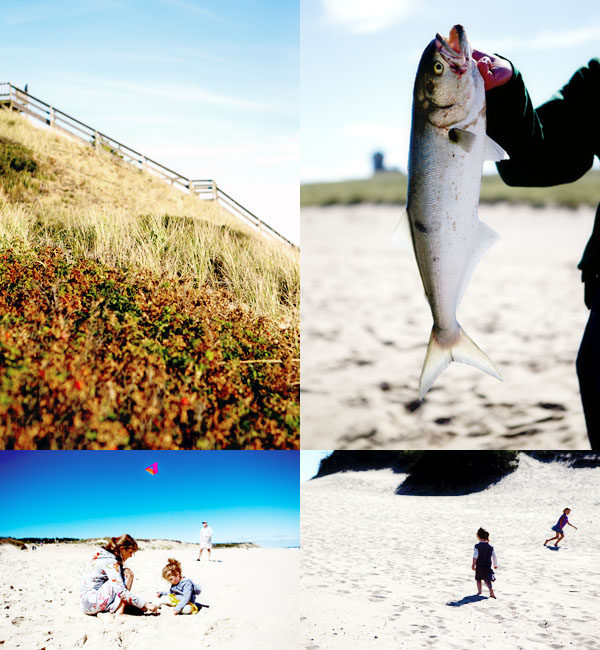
466,600
553,548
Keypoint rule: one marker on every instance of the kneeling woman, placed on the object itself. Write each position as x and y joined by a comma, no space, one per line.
106,586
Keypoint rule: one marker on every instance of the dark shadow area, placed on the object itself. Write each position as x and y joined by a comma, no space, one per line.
553,548
362,461
466,600
454,473
574,459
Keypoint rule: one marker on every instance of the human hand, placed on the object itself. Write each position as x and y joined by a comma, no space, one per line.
151,607
494,70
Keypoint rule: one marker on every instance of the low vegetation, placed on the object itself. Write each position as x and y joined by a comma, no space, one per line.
358,461
390,187
133,315
100,358
429,472
457,472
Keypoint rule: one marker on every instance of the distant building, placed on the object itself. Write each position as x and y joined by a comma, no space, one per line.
378,165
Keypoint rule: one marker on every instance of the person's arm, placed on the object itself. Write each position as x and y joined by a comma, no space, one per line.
475,556
549,145
186,596
113,573
494,559
575,527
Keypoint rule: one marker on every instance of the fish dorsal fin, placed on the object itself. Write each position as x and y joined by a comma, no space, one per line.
464,139
493,151
402,235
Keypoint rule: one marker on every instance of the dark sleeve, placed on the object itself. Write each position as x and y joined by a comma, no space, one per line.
552,144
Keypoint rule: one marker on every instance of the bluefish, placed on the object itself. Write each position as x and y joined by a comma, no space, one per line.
448,145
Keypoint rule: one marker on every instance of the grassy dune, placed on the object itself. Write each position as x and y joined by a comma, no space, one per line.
390,187
133,315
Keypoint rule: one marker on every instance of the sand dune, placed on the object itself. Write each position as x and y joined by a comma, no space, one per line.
366,324
384,571
253,598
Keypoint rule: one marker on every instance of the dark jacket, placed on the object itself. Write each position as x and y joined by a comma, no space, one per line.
553,144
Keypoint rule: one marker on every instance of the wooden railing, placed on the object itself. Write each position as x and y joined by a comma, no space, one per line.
22,101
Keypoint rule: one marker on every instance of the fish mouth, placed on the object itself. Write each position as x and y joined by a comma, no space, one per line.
456,49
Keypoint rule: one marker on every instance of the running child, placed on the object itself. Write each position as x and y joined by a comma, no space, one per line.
183,592
558,527
482,561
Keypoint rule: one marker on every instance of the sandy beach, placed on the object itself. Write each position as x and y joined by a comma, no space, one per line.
381,570
252,594
366,324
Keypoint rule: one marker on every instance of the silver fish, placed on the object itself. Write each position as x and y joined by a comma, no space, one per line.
448,145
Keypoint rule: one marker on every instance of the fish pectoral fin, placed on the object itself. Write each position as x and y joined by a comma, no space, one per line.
464,139
439,357
402,235
493,151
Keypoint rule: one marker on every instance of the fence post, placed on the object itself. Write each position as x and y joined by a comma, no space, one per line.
52,118
143,162
96,139
215,192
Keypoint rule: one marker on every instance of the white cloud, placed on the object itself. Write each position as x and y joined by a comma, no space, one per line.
367,16
377,133
548,40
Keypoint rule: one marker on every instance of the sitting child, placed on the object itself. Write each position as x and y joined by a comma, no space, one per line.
183,592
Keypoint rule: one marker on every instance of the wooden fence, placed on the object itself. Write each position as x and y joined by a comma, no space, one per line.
19,100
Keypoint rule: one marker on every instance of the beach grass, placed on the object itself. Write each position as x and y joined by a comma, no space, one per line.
134,315
55,191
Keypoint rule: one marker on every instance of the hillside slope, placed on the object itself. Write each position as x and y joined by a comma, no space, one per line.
133,315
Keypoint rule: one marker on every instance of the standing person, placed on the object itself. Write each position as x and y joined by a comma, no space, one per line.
106,586
558,527
482,561
545,151
205,539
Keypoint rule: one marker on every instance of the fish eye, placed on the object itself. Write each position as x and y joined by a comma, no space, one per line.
438,68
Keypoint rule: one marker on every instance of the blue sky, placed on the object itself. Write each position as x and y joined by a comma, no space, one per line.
244,495
207,88
359,59
309,462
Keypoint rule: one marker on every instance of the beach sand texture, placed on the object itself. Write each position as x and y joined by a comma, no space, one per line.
380,570
253,598
365,326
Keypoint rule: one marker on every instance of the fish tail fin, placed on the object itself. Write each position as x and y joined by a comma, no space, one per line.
439,357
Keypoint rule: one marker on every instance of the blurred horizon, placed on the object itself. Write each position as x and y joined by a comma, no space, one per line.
247,496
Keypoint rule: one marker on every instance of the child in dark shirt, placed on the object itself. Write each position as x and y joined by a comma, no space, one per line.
482,561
